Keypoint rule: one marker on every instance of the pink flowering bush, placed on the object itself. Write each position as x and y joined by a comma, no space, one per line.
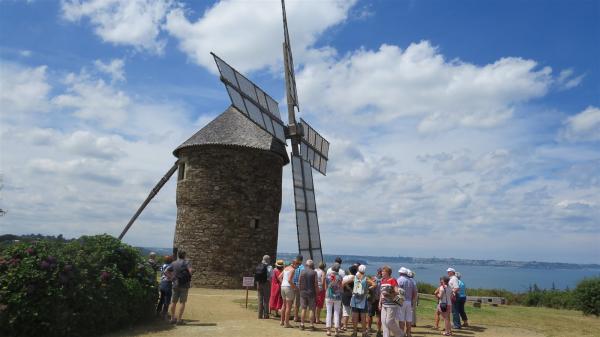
83,287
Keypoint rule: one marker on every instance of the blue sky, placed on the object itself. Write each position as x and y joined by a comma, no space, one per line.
467,128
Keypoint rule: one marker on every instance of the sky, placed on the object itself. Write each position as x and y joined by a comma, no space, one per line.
467,129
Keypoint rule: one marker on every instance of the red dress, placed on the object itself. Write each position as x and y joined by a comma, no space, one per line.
276,302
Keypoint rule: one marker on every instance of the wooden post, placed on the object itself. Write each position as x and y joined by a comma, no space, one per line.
247,297
247,282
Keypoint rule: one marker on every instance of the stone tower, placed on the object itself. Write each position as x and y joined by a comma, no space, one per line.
228,199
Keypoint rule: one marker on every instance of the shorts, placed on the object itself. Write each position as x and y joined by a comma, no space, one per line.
359,310
405,312
346,310
374,309
296,296
287,293
308,302
179,295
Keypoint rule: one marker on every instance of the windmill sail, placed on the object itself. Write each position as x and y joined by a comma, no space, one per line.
307,222
289,63
251,100
314,148
309,149
152,194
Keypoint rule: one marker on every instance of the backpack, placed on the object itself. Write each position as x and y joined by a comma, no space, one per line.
375,293
182,275
358,289
261,273
333,289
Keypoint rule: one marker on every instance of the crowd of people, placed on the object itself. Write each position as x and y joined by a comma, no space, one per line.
300,290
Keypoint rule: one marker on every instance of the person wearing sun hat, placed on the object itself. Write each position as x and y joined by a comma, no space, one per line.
453,284
275,300
358,303
411,276
405,312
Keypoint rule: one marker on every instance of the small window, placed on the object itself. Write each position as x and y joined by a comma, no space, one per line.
181,173
254,222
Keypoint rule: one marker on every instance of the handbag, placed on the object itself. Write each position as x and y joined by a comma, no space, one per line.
444,302
443,307
399,298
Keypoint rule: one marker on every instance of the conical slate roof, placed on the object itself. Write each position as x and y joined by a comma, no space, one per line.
233,128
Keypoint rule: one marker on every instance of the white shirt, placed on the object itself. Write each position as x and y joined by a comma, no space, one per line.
453,282
342,273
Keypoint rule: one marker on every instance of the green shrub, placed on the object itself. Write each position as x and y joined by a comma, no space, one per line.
425,288
83,287
587,296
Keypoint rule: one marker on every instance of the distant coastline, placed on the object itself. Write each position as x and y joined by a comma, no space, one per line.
365,259
464,262
433,260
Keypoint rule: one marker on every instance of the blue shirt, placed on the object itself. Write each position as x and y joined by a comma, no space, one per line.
360,301
462,289
297,275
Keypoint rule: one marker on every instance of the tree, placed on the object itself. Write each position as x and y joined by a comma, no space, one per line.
587,296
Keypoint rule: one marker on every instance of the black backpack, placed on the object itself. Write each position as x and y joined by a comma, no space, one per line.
261,273
182,275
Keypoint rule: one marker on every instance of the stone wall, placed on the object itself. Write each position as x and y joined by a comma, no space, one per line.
224,191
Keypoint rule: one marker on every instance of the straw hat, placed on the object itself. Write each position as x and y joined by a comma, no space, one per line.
279,263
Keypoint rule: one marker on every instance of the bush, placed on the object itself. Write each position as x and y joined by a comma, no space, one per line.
587,296
83,287
425,288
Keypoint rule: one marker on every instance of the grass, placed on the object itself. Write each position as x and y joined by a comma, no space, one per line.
549,322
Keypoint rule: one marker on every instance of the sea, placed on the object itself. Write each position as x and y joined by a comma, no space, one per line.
516,279
491,277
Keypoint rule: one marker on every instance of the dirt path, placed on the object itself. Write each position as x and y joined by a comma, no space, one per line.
211,312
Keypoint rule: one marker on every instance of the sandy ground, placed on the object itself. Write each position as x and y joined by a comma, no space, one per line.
211,312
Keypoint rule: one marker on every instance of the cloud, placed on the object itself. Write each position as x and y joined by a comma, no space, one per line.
94,100
114,68
566,80
83,177
582,127
378,86
249,36
22,89
99,171
450,163
132,22
84,143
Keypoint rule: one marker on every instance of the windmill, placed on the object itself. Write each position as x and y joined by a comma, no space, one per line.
309,148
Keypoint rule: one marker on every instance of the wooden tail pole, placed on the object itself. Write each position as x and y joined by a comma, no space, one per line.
152,194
